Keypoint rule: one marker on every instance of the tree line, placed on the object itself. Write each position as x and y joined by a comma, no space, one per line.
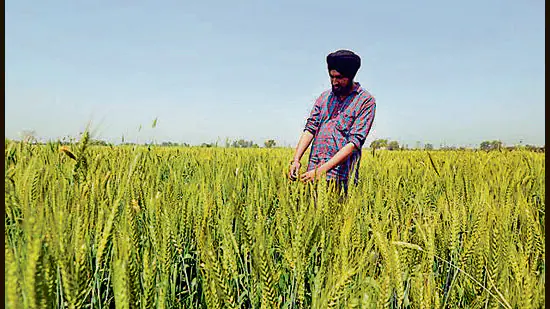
485,146
271,143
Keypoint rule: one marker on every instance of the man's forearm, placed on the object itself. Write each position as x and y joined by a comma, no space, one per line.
338,158
303,144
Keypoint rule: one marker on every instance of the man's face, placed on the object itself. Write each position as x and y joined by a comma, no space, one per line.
340,84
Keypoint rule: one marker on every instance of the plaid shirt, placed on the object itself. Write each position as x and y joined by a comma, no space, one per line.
334,124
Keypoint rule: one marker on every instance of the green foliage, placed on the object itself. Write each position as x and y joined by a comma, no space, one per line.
393,145
379,143
241,143
194,227
173,144
270,143
490,145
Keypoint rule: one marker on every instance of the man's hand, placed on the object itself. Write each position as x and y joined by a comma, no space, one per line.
311,175
303,144
294,170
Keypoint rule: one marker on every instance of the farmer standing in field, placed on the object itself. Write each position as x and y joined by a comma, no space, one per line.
338,125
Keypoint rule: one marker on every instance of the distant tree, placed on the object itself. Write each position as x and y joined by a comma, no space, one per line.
97,142
490,145
534,148
244,144
207,145
393,145
485,145
429,146
239,143
270,143
169,144
379,143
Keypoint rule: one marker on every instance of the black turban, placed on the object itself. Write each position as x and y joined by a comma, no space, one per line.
345,62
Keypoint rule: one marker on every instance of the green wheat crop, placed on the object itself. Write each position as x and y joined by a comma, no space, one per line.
158,227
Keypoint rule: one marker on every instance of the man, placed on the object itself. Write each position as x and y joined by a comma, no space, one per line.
338,125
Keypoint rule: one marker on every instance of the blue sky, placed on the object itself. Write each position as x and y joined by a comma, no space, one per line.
453,73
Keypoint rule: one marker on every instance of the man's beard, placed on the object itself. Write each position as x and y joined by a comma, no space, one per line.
341,90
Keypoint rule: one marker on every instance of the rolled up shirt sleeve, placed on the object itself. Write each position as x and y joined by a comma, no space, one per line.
363,123
314,119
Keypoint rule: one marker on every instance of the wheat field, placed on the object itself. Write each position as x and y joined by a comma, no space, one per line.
190,227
